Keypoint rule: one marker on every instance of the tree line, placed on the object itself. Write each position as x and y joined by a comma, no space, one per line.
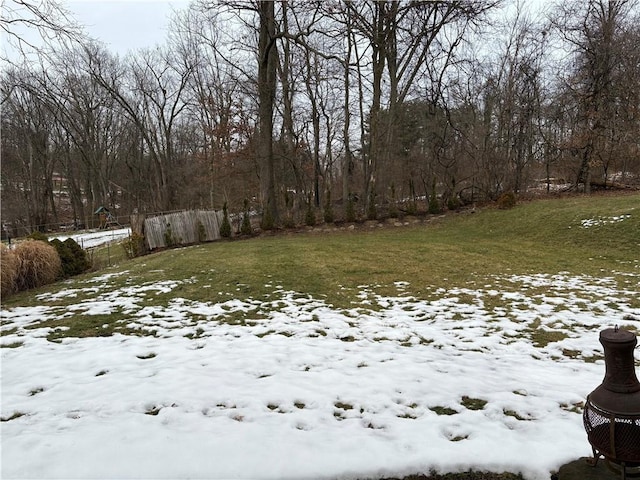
339,107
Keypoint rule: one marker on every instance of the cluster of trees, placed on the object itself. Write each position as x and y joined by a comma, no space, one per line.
291,104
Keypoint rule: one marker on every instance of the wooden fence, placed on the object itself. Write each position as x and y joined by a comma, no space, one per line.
181,228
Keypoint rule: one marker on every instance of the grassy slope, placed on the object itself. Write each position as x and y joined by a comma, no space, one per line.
544,236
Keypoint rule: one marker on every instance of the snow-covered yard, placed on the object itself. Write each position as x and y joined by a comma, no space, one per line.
96,238
300,389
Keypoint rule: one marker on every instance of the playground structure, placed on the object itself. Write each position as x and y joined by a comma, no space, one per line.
107,219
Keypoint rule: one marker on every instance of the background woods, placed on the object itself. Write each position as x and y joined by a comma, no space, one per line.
342,108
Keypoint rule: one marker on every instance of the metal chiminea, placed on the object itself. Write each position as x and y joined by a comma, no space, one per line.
612,411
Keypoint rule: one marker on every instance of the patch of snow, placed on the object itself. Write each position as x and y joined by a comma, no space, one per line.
599,221
310,391
96,238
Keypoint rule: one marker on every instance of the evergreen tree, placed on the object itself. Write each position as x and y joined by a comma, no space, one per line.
225,228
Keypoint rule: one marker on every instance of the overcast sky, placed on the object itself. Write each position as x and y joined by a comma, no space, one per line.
125,24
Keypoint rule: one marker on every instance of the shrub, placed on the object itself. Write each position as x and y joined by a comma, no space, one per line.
201,231
81,263
328,208
350,210
372,212
393,207
225,228
73,257
507,200
310,217
267,222
289,217
9,268
134,245
288,221
434,204
38,264
411,207
245,228
63,253
453,203
38,236
170,239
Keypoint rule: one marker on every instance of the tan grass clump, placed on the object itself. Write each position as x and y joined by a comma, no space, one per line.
8,270
38,264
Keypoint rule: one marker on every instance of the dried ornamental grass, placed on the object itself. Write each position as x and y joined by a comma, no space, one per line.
8,270
38,264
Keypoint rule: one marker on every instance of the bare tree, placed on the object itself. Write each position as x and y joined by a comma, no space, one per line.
89,121
403,38
512,94
593,30
215,101
30,25
150,91
28,153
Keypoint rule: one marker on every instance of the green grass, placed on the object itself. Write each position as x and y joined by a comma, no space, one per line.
543,337
473,403
514,414
439,410
102,257
102,325
461,249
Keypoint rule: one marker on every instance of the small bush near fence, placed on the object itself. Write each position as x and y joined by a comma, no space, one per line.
73,257
38,236
310,216
328,209
507,200
245,228
38,264
9,267
225,227
134,245
350,210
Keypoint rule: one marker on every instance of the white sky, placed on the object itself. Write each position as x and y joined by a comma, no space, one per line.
125,25
122,25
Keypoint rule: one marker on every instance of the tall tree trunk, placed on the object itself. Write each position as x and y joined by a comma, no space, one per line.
267,56
378,58
346,166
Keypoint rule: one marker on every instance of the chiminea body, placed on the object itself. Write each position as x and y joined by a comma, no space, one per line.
612,411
